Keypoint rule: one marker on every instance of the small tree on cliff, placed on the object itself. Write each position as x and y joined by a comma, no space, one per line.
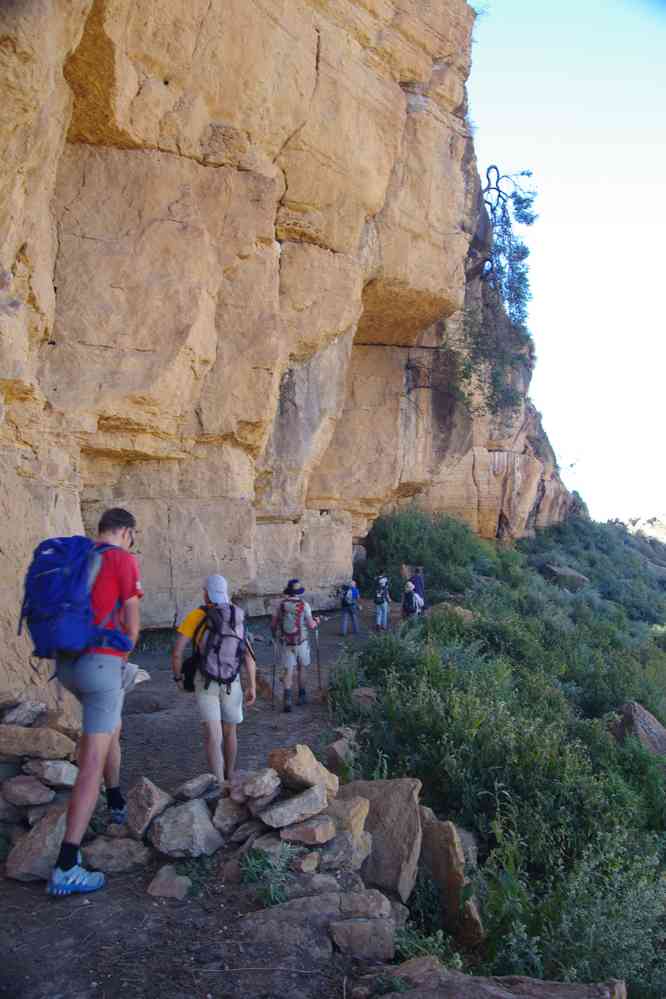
508,204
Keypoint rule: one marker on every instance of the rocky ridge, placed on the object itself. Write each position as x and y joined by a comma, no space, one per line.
340,862
228,235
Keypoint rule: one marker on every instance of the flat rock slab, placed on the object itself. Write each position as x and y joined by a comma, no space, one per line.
637,720
292,810
185,831
298,767
145,802
27,790
317,830
41,743
59,774
430,980
168,883
115,856
25,714
395,823
262,784
196,787
229,815
35,854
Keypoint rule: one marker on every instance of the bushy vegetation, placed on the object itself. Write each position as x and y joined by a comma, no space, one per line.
504,717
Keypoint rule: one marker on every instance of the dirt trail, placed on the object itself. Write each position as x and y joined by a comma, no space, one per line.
122,942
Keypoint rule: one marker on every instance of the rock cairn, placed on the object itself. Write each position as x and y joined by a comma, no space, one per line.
36,778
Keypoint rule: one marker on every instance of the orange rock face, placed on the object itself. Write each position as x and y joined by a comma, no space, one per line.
225,226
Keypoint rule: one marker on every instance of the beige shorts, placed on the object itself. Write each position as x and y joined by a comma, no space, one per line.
216,705
296,655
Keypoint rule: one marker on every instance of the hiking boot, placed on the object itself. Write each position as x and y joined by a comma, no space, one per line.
118,816
302,697
75,881
287,701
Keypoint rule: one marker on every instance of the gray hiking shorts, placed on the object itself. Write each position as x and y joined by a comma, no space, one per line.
95,680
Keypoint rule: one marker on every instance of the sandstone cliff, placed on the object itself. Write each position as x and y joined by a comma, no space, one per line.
226,222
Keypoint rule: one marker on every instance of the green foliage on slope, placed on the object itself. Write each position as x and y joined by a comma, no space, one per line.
505,720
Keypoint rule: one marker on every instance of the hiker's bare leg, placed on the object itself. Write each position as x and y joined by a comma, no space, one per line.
93,751
301,677
288,677
213,745
230,748
112,765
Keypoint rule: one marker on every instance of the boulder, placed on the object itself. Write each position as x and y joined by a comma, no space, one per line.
196,787
37,812
292,810
229,815
27,790
35,854
564,576
319,829
349,814
303,885
429,979
168,883
8,811
635,720
115,856
395,824
145,802
365,939
24,714
298,767
262,784
270,844
42,743
346,852
56,773
443,855
185,831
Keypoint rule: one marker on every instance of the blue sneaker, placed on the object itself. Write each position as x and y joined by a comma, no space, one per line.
118,816
75,881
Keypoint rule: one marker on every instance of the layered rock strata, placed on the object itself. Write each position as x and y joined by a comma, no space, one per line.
225,226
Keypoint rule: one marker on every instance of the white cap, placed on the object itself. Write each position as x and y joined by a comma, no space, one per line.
216,588
409,586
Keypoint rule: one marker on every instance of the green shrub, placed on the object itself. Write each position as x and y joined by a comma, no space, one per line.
269,872
504,718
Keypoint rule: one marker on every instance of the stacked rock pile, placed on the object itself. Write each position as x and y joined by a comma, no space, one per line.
36,777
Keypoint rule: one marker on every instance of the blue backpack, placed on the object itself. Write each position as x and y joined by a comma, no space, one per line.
56,604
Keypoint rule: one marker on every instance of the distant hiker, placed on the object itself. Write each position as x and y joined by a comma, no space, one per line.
382,603
412,604
418,580
350,603
290,623
220,652
95,678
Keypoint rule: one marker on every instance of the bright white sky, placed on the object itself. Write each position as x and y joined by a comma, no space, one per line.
575,90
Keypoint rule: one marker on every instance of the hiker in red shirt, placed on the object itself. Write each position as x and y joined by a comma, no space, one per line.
95,679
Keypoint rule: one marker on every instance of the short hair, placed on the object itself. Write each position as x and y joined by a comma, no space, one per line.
116,519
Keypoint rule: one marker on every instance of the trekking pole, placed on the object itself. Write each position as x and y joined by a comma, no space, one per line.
318,656
273,683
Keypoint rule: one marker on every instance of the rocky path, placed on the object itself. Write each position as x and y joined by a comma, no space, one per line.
123,942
